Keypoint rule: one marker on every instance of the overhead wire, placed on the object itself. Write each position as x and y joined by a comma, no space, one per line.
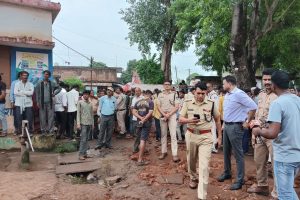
71,48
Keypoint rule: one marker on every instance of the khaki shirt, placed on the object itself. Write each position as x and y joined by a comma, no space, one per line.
167,101
95,104
204,109
264,101
121,102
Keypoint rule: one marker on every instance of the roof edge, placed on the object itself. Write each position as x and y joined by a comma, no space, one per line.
40,4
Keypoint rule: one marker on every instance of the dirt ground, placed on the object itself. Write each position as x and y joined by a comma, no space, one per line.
39,181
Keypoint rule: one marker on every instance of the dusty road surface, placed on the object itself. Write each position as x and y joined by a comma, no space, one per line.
159,180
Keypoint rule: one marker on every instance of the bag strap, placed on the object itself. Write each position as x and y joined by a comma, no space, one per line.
212,109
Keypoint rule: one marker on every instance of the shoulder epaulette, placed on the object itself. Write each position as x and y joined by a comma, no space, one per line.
187,100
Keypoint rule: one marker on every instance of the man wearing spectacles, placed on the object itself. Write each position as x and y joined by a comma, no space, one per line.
168,105
239,110
198,113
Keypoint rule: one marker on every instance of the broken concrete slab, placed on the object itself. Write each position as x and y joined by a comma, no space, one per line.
78,168
161,180
174,179
70,158
170,179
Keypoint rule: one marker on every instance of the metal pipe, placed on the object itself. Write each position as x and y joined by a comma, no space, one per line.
28,136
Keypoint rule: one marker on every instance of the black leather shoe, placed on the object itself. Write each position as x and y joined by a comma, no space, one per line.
224,177
236,186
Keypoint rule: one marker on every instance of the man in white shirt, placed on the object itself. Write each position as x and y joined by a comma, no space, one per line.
23,92
12,97
60,101
138,96
72,100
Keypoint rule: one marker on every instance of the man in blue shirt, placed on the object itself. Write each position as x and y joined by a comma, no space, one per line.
106,111
239,109
284,126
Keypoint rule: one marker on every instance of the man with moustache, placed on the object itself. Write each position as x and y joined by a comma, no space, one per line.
263,149
23,92
284,126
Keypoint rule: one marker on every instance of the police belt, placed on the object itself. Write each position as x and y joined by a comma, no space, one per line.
199,132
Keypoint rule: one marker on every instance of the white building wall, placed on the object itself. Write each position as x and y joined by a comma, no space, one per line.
20,21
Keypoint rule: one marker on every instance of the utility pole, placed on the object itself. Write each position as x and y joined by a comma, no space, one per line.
189,81
176,75
92,61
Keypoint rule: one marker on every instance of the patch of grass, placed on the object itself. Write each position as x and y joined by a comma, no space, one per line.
67,147
78,179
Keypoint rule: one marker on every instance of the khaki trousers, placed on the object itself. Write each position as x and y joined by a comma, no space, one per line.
172,124
199,147
261,155
121,121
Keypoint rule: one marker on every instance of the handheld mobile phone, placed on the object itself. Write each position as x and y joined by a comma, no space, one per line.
197,116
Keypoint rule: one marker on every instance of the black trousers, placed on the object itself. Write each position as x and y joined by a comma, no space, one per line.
26,114
61,121
71,116
95,132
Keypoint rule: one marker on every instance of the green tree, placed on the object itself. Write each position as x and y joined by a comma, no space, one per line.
99,64
74,81
149,70
126,76
208,24
241,35
150,22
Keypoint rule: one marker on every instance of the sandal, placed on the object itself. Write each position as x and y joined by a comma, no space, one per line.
142,163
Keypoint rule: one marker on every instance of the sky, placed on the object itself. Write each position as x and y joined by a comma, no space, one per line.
95,28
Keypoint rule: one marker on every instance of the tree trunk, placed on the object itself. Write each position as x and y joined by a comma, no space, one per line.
166,59
253,37
238,51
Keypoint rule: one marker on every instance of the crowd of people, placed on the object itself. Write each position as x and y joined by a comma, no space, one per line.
203,118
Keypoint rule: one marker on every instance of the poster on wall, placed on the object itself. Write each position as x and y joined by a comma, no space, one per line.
33,63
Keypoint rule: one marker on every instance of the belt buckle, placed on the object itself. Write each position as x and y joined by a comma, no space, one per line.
197,131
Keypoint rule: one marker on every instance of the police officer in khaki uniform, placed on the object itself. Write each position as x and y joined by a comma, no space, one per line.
198,114
263,148
168,105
